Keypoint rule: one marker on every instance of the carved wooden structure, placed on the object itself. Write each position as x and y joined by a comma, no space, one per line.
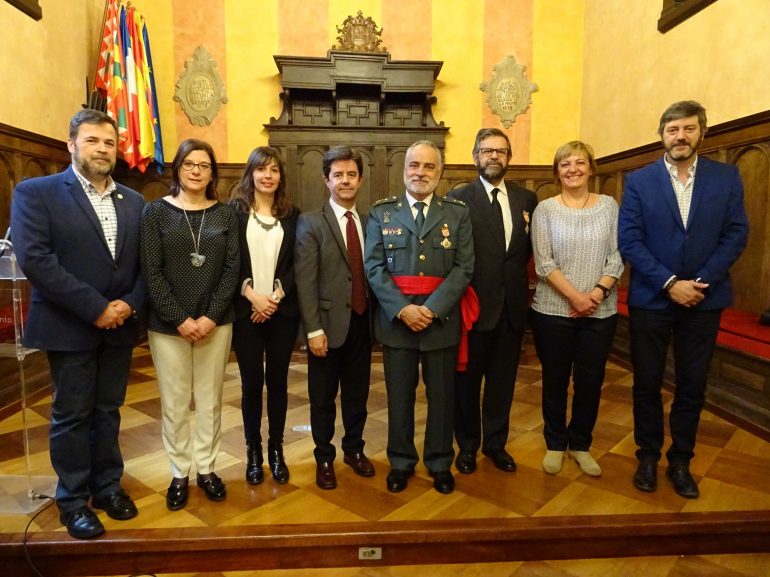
377,105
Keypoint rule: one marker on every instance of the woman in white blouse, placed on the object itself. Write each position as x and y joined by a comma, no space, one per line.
266,311
574,239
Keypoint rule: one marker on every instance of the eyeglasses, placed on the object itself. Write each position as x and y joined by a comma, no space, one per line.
490,151
188,165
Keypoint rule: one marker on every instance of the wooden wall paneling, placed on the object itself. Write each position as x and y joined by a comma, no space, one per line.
6,188
751,274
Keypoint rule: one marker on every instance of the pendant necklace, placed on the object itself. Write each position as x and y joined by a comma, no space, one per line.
264,225
196,258
584,202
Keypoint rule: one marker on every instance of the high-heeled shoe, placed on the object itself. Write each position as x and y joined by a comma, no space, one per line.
254,473
277,465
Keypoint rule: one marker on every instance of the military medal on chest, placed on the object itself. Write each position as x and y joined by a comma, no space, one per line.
446,243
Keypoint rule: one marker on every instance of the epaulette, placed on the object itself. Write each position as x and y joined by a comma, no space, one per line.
455,201
385,200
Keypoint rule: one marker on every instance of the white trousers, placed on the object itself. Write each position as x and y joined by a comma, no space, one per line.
191,371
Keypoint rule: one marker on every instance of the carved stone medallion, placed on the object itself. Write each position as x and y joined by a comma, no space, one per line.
359,34
508,91
200,90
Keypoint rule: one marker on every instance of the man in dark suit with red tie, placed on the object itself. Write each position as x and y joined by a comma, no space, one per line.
334,303
500,213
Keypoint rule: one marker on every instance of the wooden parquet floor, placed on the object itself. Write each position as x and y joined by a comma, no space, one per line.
731,465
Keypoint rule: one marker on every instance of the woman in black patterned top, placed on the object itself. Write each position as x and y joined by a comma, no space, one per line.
190,260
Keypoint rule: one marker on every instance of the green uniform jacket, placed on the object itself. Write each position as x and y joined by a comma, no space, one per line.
444,249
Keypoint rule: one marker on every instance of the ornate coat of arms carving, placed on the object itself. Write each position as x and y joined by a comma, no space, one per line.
359,34
508,91
200,90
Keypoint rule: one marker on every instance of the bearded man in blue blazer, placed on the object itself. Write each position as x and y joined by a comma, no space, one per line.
682,225
76,236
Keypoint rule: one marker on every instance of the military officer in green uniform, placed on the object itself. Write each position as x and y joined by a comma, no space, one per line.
419,261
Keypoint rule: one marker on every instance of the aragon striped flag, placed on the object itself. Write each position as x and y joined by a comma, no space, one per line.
124,76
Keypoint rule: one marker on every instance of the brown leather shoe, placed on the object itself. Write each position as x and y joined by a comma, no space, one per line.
360,464
324,475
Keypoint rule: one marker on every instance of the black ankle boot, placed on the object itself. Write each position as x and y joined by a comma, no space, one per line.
277,465
254,474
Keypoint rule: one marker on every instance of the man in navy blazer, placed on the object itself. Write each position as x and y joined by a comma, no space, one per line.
500,212
681,226
333,300
76,236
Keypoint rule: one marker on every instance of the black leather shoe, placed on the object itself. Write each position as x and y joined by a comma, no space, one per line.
360,464
324,475
118,506
397,480
213,486
466,462
646,477
502,460
82,523
176,496
277,465
684,484
443,482
254,473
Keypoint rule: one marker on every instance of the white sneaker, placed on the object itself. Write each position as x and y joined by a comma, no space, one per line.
552,462
586,463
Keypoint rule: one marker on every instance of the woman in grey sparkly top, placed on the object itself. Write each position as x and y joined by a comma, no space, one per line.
574,240
190,260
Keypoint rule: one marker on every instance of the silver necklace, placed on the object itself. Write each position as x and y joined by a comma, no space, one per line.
568,206
264,225
196,258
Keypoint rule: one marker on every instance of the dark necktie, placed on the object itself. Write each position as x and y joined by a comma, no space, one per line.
356,259
420,218
498,210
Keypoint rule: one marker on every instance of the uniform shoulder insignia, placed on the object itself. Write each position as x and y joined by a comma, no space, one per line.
385,201
455,201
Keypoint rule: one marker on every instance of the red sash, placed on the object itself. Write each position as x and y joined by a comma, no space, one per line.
469,307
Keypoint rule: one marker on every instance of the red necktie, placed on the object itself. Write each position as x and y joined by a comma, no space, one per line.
356,259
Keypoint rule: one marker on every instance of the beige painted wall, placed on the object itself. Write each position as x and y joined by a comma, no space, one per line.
44,64
604,71
631,72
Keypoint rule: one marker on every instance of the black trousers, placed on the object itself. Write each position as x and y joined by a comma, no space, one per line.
89,388
401,378
346,369
494,357
263,351
694,333
578,348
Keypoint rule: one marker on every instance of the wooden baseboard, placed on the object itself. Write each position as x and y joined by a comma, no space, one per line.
388,543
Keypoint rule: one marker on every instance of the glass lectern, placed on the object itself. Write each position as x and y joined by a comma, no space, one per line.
21,480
